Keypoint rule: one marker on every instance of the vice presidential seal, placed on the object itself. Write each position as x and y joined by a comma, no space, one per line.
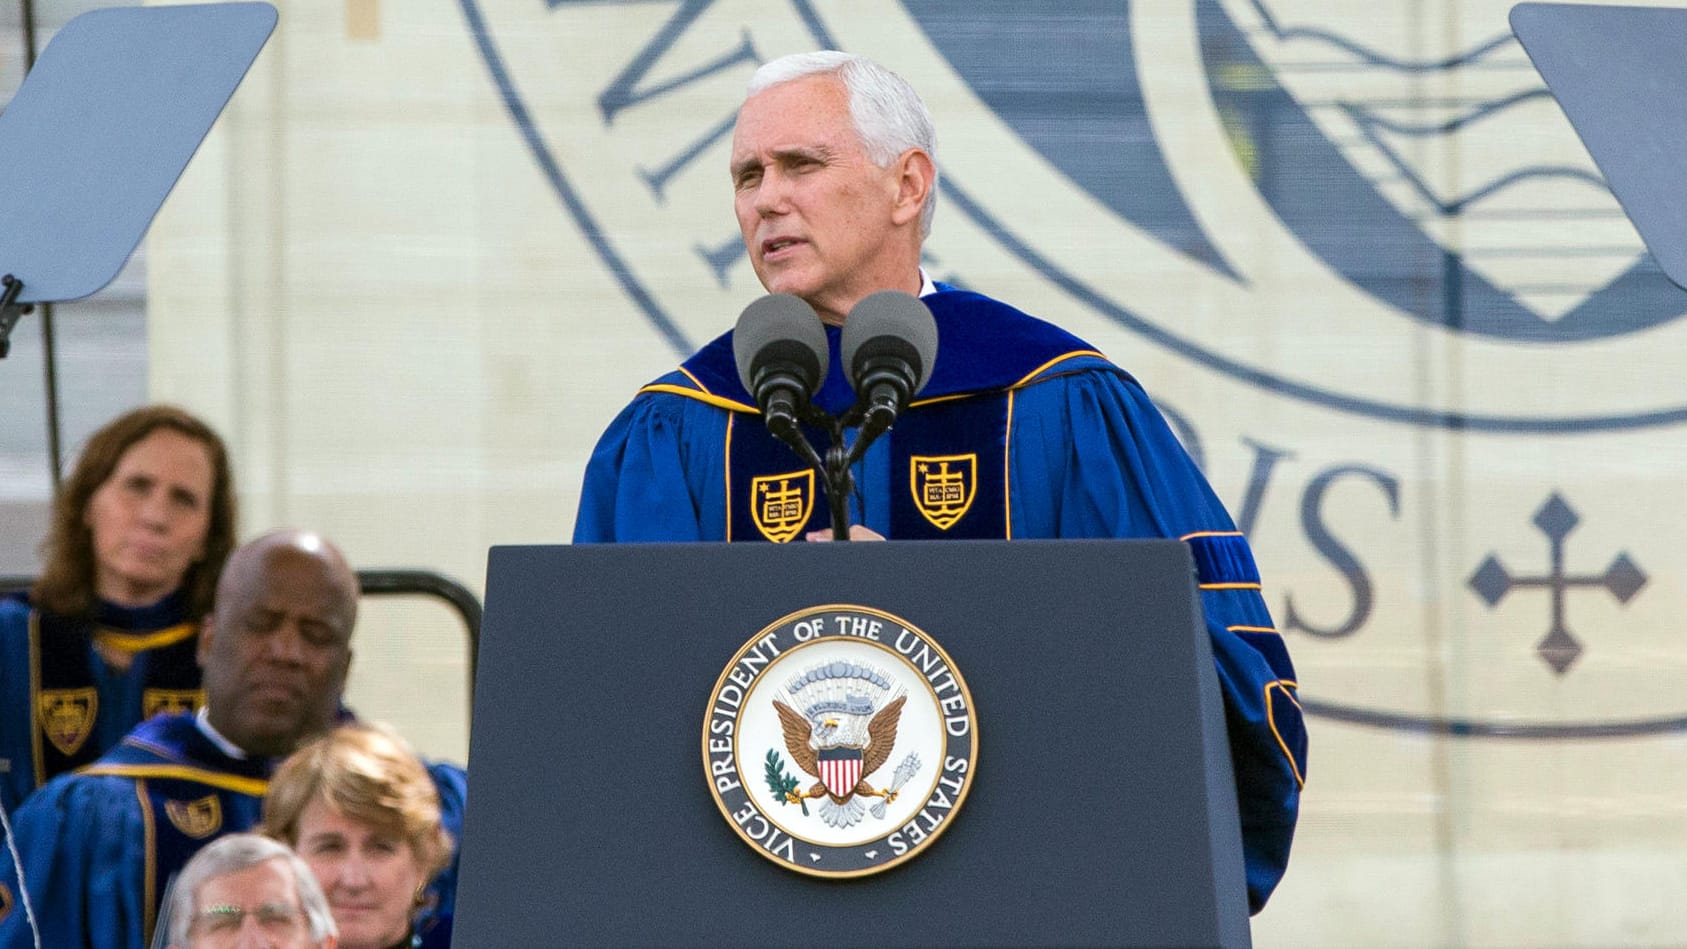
840,741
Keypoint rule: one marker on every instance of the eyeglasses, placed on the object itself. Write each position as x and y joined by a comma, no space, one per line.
226,919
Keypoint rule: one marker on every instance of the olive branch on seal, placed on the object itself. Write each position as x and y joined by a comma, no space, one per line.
782,784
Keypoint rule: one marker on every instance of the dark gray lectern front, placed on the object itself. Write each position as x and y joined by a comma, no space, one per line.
1101,809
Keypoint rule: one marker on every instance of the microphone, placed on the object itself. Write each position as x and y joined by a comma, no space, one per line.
889,347
781,351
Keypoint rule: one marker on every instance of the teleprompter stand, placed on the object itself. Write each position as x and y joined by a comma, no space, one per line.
10,310
98,134
1102,811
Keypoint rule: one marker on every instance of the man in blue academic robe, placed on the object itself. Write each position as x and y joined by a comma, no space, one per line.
1023,431
99,847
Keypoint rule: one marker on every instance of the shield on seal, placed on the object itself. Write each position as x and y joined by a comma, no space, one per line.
840,768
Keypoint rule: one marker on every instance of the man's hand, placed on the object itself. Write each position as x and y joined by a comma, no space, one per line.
856,532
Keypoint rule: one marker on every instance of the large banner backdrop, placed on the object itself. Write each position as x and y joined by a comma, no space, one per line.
1353,250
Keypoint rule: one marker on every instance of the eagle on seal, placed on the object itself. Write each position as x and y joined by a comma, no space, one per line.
842,739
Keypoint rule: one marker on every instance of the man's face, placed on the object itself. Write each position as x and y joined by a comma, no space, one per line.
814,210
277,651
255,907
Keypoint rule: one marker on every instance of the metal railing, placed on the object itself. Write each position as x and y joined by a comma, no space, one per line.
429,583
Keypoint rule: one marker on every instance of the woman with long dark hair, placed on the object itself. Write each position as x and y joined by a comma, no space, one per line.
108,634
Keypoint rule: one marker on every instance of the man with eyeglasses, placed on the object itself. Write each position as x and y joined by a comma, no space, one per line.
244,890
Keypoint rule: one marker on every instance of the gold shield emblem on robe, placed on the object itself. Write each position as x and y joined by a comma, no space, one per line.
67,716
197,818
943,486
780,504
170,701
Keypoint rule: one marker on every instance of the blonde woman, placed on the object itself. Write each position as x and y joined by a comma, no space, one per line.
364,813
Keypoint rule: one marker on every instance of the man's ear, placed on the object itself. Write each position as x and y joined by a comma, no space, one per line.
207,632
915,176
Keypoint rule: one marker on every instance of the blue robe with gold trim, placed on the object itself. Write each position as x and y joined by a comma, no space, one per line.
433,927
1023,431
62,706
100,846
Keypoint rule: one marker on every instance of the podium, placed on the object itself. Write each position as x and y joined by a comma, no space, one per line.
1101,808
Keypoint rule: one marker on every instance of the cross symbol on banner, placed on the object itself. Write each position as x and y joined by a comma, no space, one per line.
1556,520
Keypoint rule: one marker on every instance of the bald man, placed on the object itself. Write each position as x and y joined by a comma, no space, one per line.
100,846
276,650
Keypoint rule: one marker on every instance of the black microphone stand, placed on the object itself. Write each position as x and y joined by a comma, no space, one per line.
834,468
885,388
838,470
840,484
883,392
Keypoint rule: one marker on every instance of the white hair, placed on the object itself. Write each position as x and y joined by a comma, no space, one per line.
232,854
888,115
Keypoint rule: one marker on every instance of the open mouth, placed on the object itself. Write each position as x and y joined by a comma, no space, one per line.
775,248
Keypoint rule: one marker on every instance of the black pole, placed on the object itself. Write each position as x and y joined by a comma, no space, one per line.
28,35
50,380
840,484
49,346
834,469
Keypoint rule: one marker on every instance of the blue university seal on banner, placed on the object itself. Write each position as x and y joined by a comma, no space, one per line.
1399,192
840,741
1364,268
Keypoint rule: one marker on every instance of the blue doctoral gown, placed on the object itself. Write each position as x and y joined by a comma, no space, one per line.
62,706
433,927
1023,431
100,846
